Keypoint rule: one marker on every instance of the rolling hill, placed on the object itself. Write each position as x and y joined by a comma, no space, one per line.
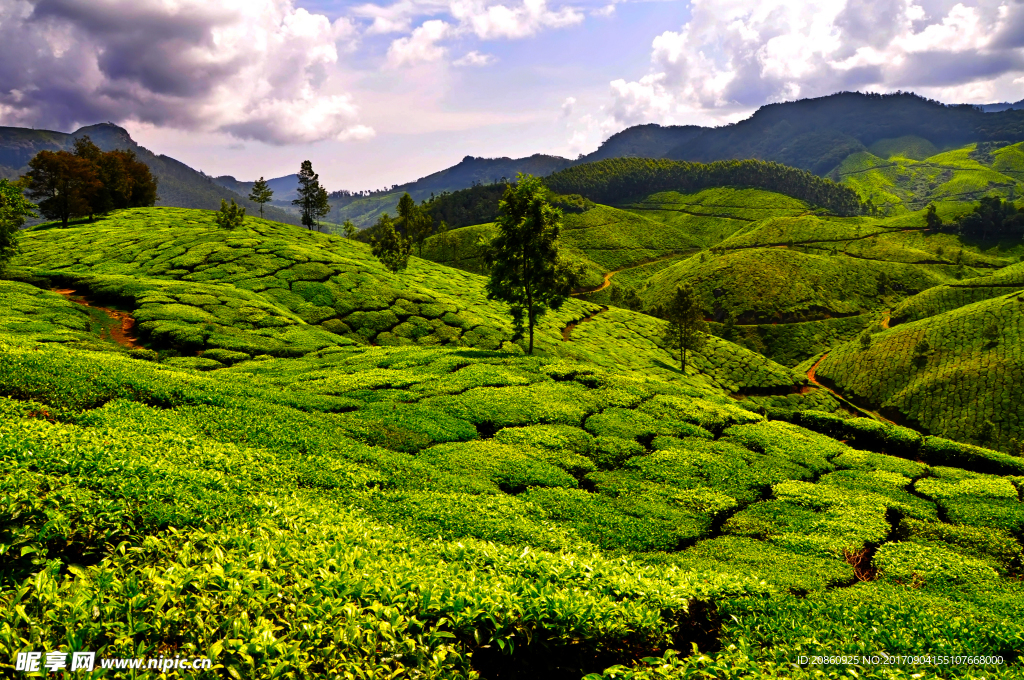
328,469
178,185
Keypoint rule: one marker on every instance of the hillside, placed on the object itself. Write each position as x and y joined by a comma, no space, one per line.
364,477
902,177
178,185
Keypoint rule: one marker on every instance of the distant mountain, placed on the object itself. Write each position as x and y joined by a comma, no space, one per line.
178,185
1003,106
285,188
817,134
644,141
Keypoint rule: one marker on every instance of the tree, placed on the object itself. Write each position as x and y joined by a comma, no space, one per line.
686,326
65,183
13,211
932,219
442,238
229,216
389,246
322,208
349,229
414,221
526,271
125,181
261,193
309,195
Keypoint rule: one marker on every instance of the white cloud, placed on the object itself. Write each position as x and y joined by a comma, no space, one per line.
567,106
606,11
421,46
474,58
259,69
488,22
734,55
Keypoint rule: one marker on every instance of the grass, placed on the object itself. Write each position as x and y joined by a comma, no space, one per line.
388,486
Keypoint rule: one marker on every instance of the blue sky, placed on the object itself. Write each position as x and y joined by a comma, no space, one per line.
379,93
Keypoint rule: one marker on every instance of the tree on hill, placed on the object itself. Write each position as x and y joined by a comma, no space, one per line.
526,271
992,220
13,211
229,216
261,193
309,195
388,245
125,181
349,229
686,326
64,184
414,221
323,207
932,219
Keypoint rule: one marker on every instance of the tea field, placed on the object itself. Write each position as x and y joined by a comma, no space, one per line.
317,468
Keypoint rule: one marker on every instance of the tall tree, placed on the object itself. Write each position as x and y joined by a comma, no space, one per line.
526,271
13,211
686,329
309,192
388,245
414,221
349,229
322,208
261,193
65,183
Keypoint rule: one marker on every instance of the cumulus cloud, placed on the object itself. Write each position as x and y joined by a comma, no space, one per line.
474,58
421,46
567,106
734,55
489,21
258,69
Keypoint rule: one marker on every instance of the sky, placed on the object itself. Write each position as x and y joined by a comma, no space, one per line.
382,93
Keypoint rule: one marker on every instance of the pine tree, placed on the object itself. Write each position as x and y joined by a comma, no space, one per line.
261,193
686,326
322,208
309,193
526,271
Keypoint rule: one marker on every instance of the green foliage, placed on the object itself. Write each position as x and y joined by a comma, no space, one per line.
686,329
619,180
14,209
389,246
230,216
523,257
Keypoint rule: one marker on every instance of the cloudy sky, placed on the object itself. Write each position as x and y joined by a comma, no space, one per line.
377,93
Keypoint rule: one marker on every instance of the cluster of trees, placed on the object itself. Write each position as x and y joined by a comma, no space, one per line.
992,220
87,181
392,238
619,180
14,209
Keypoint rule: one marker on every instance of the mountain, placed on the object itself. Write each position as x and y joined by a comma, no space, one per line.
285,188
178,185
1002,106
818,134
644,141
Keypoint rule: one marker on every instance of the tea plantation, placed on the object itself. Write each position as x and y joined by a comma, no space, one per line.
316,468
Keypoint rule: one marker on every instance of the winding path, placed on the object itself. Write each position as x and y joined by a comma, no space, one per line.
121,331
812,376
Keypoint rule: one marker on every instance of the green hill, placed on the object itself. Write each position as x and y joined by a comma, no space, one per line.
904,181
367,479
962,386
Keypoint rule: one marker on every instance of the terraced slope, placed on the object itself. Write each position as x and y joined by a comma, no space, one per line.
951,296
964,385
275,290
900,182
459,513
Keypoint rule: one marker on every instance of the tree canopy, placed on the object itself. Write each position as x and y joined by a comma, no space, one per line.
686,329
13,211
312,200
526,271
388,245
993,219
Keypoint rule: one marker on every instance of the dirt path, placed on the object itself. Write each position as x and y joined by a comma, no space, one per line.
567,331
121,331
886,315
608,276
812,376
